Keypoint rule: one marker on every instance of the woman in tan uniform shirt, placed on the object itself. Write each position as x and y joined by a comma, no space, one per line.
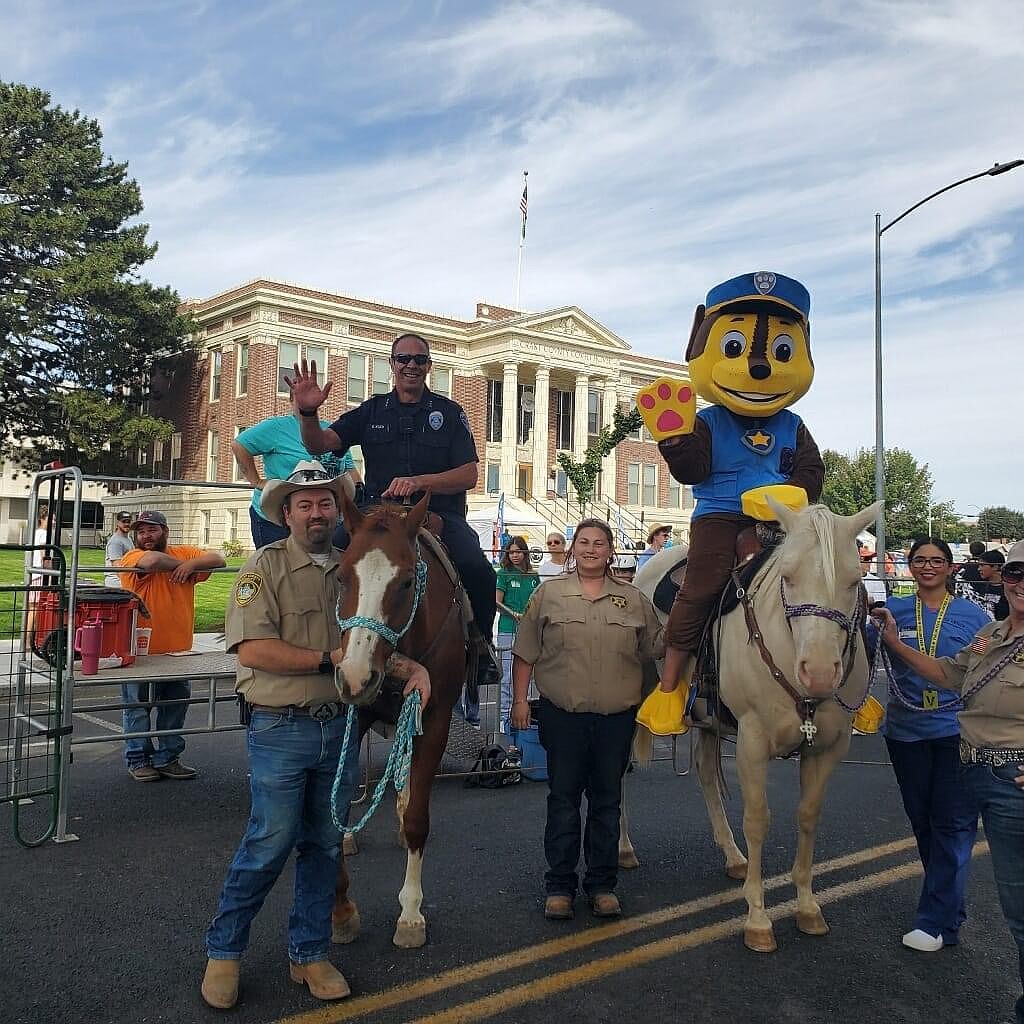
584,636
989,676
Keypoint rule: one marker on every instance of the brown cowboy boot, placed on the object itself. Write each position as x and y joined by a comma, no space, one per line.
220,984
325,981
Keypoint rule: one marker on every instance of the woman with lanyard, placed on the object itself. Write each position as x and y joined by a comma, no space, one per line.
584,637
923,738
517,580
988,673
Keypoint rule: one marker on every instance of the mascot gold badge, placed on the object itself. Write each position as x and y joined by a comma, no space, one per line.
749,357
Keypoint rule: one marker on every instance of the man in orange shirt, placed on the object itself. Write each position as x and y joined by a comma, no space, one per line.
166,583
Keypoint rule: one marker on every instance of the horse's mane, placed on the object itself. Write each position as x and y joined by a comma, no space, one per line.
822,522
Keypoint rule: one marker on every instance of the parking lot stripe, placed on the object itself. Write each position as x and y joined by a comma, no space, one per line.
594,970
379,1001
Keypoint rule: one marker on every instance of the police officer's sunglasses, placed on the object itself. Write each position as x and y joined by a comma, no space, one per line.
308,476
405,358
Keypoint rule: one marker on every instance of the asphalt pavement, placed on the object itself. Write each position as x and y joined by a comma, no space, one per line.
110,928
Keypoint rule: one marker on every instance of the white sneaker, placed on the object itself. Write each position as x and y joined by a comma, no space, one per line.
922,941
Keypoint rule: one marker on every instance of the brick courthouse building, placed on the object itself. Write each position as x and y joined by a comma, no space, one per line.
532,385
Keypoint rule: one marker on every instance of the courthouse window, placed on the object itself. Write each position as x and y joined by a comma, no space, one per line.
291,352
216,359
593,412
650,484
175,473
565,406
242,382
633,483
495,409
356,383
381,375
525,425
212,444
493,477
441,381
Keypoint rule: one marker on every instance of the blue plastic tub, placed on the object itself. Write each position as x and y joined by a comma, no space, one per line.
535,758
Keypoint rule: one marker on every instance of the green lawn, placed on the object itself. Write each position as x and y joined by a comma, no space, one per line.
211,596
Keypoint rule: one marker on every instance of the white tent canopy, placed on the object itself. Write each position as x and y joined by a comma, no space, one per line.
516,514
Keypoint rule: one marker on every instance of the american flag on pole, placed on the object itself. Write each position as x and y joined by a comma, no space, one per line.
522,208
500,523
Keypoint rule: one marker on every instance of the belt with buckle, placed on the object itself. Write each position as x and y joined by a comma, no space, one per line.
995,756
322,712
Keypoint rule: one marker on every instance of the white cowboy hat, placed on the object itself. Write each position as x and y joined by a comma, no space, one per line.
306,475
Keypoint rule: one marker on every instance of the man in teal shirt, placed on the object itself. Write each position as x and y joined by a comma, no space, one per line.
278,442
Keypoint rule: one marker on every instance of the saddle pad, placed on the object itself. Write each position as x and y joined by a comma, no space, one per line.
428,540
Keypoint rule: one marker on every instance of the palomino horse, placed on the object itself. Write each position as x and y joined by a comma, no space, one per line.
787,657
380,570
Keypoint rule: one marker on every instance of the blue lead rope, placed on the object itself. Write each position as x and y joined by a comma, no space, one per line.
410,725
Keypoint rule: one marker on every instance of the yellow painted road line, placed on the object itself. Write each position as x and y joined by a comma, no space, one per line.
378,1001
595,970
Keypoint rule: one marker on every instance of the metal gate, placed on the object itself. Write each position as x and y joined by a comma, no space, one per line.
32,729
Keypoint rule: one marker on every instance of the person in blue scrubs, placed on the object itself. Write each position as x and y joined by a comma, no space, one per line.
922,734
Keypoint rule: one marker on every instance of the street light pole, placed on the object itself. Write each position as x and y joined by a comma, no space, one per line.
879,447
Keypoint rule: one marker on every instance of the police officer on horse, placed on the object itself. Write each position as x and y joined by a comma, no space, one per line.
412,441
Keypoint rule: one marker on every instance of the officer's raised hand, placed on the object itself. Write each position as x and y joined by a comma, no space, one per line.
306,393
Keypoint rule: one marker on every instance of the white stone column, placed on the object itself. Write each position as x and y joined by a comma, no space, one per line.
608,469
579,425
509,397
541,400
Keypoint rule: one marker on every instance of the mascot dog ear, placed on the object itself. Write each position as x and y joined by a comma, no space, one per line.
692,349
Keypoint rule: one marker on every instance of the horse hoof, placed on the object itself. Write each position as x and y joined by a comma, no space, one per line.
349,846
760,940
737,872
410,936
628,860
812,923
344,932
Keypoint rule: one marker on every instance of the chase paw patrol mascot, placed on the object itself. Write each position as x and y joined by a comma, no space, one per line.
750,357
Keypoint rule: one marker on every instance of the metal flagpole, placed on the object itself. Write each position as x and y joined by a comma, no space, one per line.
522,242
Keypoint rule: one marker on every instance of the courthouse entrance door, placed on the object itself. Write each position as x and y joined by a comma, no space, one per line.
525,485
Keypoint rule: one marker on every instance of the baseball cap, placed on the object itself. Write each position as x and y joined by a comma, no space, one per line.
992,557
150,519
123,517
1016,553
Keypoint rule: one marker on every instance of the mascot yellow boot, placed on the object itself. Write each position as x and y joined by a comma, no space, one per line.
749,358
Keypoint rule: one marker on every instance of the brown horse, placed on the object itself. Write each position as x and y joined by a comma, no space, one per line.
379,569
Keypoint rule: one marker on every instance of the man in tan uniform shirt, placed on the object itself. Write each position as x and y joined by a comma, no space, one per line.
281,620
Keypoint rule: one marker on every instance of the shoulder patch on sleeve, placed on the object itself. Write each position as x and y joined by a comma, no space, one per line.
247,587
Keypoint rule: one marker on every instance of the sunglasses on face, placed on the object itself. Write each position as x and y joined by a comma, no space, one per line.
930,563
555,543
405,358
1013,574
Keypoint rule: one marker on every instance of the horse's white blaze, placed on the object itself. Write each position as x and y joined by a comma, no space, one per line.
373,572
411,896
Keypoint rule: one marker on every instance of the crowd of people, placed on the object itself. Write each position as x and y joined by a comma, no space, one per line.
569,626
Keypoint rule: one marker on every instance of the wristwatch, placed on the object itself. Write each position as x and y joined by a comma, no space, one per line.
326,666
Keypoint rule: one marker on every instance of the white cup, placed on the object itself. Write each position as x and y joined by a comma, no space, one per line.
142,638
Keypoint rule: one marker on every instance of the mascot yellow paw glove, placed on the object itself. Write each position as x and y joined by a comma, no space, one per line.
668,407
664,714
755,501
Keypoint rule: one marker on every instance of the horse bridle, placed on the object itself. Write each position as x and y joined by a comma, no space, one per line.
806,707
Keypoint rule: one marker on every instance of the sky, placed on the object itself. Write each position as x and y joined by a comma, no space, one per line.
377,150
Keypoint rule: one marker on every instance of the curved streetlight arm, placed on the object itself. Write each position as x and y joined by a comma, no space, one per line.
993,170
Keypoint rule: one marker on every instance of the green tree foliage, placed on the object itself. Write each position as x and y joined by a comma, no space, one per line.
999,521
80,332
850,486
583,475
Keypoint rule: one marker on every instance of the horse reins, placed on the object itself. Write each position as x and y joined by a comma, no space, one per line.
805,706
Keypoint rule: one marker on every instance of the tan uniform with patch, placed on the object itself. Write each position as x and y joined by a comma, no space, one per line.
994,716
588,655
282,594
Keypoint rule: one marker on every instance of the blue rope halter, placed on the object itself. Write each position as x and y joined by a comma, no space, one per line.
409,722
382,629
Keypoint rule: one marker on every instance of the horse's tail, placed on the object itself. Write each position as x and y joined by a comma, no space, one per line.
643,746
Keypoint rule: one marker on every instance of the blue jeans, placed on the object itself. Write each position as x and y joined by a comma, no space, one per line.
160,750
587,753
944,816
1002,811
264,531
292,761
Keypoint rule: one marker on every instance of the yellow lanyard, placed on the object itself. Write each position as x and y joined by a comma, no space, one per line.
933,646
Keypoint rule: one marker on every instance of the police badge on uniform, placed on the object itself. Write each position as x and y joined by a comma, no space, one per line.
619,602
760,441
436,420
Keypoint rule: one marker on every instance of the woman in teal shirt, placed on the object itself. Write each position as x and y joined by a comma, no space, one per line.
278,441
517,580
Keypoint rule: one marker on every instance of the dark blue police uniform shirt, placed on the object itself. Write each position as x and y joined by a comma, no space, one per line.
431,436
